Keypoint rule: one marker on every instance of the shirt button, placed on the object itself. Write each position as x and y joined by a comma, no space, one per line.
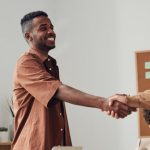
61,129
50,68
48,59
60,114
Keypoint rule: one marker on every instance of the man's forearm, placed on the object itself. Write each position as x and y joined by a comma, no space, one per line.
74,96
133,101
141,100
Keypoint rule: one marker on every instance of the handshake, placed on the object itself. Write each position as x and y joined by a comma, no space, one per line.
117,106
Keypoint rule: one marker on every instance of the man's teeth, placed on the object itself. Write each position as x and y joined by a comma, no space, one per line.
51,39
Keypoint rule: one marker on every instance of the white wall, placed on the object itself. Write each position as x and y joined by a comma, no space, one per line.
96,42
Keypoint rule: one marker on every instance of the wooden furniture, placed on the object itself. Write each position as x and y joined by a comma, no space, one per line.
66,148
5,145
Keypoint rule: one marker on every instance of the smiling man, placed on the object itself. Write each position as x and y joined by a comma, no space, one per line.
39,95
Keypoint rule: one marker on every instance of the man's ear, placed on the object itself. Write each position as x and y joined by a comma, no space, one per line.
28,36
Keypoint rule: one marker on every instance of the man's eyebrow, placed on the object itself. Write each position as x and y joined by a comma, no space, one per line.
41,25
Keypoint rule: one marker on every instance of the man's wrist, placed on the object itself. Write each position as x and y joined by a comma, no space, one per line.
102,103
133,101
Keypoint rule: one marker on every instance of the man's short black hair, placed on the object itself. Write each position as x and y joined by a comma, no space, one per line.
26,21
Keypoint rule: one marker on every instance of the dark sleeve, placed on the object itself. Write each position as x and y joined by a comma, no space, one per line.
146,115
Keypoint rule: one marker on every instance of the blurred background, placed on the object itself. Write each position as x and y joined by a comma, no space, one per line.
95,50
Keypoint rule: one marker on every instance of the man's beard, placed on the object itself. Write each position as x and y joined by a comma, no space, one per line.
45,47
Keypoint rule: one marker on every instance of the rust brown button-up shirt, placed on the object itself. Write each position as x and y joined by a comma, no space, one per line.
40,119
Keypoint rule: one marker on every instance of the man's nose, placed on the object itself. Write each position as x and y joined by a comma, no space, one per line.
51,31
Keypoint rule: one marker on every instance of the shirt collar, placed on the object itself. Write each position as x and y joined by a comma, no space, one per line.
38,53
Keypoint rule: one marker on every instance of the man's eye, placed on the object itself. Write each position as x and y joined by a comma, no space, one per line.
43,28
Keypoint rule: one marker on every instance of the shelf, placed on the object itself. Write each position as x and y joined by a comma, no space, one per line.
5,145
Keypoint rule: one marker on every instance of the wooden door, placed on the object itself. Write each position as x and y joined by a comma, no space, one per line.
143,83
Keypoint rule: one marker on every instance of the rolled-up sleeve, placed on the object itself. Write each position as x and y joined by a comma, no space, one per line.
34,78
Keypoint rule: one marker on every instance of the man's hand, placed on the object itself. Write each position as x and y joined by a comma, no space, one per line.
116,109
122,99
119,97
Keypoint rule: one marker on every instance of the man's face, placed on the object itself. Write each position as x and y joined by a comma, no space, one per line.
42,34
